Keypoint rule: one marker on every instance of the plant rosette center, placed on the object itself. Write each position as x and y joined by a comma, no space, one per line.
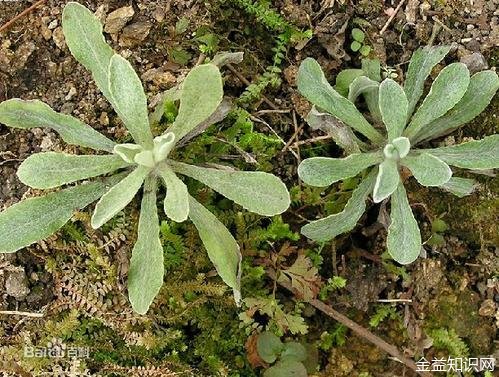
149,158
397,149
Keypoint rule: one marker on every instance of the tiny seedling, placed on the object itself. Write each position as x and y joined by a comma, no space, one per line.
358,43
142,164
454,99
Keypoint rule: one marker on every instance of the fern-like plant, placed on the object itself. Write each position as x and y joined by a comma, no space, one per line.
141,164
453,100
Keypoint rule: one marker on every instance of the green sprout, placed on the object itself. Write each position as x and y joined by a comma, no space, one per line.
358,42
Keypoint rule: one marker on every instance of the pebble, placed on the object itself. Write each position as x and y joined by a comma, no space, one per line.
70,94
52,25
135,33
475,62
487,309
116,20
58,38
16,284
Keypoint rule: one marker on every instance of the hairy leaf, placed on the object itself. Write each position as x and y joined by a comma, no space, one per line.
460,186
369,88
404,239
313,85
345,78
333,225
83,35
51,169
268,346
393,107
129,100
36,218
145,276
476,154
446,91
420,66
387,180
323,171
341,133
202,92
118,197
372,69
428,169
222,248
258,192
177,197
482,88
30,114
402,145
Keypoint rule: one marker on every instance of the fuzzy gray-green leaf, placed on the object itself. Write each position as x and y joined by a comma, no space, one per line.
176,203
482,88
404,239
129,100
323,171
333,225
83,35
393,106
258,192
30,114
222,248
428,169
369,89
387,180
145,276
420,66
313,85
118,197
202,92
52,169
36,218
460,187
446,91
476,154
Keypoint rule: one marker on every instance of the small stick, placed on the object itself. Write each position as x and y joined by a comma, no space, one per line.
356,328
395,300
391,17
21,15
24,314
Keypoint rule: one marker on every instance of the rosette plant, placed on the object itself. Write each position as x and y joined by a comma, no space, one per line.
142,164
453,99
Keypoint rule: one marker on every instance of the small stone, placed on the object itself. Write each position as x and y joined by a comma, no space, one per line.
58,37
70,94
159,77
16,284
475,62
52,25
104,119
159,14
488,308
135,33
100,13
47,143
117,19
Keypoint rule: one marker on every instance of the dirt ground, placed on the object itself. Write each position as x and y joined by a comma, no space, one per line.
454,289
